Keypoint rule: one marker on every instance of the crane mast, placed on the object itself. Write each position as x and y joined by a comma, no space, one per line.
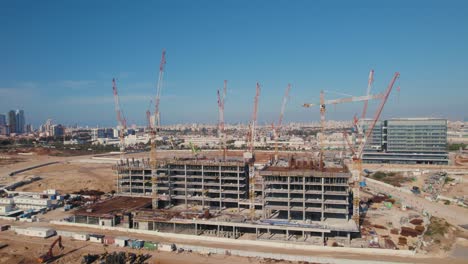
122,123
280,120
159,88
154,130
370,82
357,157
250,157
221,134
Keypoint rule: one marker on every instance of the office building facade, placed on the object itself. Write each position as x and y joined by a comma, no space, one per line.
407,141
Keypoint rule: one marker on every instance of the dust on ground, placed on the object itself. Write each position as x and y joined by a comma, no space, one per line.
71,177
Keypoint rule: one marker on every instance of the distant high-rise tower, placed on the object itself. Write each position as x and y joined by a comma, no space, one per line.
3,125
12,121
20,121
3,120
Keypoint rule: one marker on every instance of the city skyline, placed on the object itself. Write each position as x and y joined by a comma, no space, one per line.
66,75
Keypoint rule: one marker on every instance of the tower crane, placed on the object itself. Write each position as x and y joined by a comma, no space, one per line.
154,130
249,156
280,120
221,135
120,119
370,82
357,153
323,104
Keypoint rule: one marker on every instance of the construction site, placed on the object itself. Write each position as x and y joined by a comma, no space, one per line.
307,199
225,201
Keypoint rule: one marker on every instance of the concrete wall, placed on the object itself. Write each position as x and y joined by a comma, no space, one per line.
274,244
251,254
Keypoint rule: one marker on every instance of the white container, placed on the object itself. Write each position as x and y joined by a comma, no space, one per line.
36,231
65,233
121,241
96,238
80,236
166,247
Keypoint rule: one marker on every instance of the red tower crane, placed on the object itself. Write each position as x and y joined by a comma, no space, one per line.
357,153
159,88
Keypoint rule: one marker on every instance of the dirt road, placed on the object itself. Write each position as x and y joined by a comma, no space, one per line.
453,214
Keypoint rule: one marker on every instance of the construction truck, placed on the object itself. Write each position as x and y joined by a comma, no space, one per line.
49,255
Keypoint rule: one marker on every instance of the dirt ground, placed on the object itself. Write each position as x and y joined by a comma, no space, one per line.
26,250
70,177
66,176
455,189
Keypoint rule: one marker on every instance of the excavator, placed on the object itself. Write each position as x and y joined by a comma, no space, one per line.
49,255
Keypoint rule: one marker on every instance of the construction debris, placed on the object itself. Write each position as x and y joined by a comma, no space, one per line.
116,258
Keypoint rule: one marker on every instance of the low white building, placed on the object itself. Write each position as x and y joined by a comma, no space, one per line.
80,236
96,238
35,231
121,241
28,202
5,208
4,201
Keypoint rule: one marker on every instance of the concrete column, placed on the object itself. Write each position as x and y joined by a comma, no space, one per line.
238,189
256,233
185,186
174,227
322,218
323,238
203,187
303,199
196,229
217,233
263,199
349,238
117,183
131,182
220,190
289,198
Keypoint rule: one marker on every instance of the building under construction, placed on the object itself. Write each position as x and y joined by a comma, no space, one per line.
209,197
190,182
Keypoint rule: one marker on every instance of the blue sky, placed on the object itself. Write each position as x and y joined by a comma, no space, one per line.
58,58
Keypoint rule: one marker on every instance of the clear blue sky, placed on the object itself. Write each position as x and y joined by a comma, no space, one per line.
57,58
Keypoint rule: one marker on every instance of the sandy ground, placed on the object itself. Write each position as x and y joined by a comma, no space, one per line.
70,177
66,176
23,249
458,189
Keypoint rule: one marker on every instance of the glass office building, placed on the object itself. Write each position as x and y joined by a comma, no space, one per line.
407,141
